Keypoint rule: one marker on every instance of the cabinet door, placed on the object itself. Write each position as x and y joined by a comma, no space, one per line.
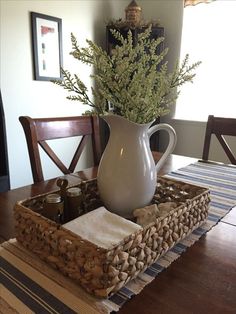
111,42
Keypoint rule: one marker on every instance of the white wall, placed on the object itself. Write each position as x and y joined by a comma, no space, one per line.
213,90
24,96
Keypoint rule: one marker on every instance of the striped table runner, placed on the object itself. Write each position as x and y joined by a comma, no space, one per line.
28,285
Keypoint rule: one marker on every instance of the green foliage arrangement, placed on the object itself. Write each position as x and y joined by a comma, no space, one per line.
134,80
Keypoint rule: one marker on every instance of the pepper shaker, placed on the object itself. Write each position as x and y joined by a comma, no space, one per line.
74,197
53,207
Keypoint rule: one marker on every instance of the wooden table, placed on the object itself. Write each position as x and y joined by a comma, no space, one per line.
202,280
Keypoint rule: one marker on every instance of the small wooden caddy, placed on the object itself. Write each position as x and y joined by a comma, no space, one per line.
103,271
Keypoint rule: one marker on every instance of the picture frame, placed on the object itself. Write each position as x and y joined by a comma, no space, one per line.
47,46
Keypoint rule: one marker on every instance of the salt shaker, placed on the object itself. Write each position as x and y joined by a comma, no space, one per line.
74,202
53,207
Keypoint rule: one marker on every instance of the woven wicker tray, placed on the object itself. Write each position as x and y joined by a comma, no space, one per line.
100,271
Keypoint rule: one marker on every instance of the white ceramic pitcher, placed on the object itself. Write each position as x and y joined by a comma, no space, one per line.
127,172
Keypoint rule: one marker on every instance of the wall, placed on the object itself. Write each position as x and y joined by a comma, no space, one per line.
24,96
208,94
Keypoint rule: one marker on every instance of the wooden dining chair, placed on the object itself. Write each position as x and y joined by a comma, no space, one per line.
39,130
220,127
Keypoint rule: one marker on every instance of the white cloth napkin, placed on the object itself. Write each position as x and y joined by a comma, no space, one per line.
102,228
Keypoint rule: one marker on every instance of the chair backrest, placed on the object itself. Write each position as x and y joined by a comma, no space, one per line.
220,127
39,130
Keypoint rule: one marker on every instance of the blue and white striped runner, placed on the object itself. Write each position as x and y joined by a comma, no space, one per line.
221,180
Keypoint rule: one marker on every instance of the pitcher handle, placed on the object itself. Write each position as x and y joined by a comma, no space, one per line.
172,141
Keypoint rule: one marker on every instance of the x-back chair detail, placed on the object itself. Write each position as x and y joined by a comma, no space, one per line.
221,127
39,130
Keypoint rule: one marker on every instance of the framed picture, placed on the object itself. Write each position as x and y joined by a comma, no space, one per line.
47,46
